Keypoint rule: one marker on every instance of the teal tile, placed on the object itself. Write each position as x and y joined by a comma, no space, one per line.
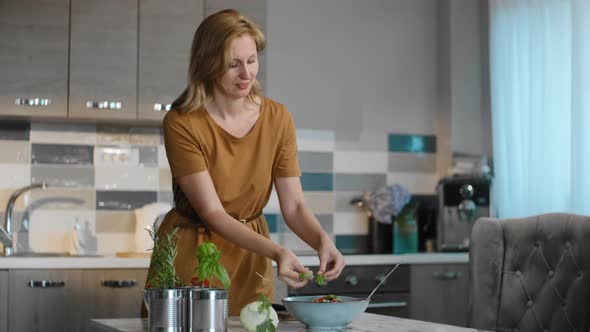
359,182
412,143
271,220
352,244
317,181
316,161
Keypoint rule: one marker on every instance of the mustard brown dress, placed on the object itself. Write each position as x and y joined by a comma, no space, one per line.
243,170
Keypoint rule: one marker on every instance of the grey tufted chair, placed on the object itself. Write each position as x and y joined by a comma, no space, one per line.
531,274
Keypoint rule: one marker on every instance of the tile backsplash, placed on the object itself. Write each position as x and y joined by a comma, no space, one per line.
99,174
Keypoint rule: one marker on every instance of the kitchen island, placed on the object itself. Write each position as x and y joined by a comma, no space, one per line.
366,323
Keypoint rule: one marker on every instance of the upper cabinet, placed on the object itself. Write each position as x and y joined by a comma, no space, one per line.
165,39
103,59
34,57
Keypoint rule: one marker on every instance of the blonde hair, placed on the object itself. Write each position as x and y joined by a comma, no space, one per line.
210,56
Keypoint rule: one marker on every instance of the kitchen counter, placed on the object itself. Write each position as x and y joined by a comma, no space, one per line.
113,262
366,323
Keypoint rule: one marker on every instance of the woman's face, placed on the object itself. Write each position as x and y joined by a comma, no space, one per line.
243,67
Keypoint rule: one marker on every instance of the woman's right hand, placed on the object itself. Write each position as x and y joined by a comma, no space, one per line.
289,267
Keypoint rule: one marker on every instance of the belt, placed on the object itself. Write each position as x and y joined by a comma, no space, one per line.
195,217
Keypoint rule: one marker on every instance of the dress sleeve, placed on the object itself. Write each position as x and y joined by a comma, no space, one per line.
287,164
183,149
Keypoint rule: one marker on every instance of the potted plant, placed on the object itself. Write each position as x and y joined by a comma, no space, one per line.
208,306
166,299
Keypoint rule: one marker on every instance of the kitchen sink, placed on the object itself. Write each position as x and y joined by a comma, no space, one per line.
50,254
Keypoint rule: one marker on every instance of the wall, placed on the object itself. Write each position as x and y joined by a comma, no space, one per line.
362,79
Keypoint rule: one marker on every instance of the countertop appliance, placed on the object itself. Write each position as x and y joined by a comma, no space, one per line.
462,199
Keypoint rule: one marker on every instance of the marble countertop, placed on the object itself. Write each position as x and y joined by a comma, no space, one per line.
113,262
365,323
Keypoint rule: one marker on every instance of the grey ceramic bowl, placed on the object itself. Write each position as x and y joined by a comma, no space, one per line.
320,316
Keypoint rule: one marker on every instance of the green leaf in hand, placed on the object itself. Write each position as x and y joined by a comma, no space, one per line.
306,275
319,280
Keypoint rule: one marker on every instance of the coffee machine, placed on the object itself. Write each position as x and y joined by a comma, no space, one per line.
462,200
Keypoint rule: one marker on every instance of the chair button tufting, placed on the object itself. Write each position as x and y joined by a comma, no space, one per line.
529,303
551,273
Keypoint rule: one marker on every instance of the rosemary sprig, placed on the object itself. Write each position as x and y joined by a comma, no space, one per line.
163,273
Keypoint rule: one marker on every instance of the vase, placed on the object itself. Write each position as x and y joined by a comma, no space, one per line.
405,234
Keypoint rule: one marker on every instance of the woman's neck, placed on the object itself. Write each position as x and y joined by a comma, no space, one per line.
225,108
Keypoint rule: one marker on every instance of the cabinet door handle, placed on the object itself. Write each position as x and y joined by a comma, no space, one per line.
104,105
32,101
119,283
451,275
162,107
399,304
46,283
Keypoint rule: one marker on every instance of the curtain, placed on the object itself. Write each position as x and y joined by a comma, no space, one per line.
540,101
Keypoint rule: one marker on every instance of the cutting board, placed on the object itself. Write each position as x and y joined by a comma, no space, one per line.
134,254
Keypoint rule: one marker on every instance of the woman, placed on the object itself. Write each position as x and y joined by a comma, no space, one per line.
227,145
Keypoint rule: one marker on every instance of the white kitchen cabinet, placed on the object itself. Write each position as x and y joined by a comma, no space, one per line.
34,58
440,293
3,301
112,294
103,59
165,39
44,300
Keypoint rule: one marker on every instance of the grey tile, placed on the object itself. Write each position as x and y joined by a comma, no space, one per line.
326,221
343,198
316,161
15,152
124,200
361,141
359,182
148,156
17,131
412,162
166,197
63,176
62,154
63,133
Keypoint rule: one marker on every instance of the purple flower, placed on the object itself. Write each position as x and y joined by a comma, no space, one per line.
388,201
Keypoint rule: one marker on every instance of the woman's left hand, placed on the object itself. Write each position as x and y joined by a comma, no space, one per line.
331,260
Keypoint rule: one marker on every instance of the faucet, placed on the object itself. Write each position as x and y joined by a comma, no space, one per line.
5,233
